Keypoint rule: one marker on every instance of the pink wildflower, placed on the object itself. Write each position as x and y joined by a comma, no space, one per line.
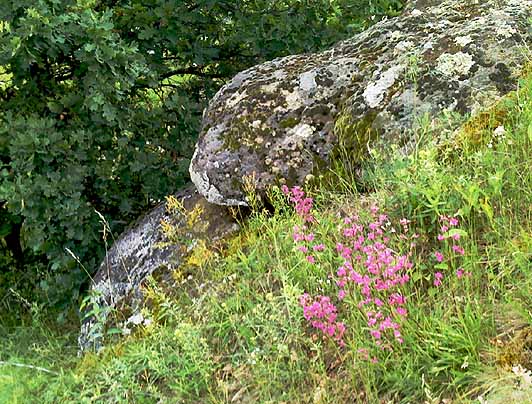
375,334
303,299
401,311
438,276
311,259
341,271
461,273
439,256
303,249
396,299
458,249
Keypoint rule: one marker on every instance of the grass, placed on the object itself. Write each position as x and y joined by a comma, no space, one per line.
231,329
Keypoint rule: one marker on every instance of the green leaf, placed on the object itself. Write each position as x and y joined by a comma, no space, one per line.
55,107
5,229
453,232
487,209
114,331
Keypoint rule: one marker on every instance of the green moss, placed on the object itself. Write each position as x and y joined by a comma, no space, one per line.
353,136
350,151
289,122
478,130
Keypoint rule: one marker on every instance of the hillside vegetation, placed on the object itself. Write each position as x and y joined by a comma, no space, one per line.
100,108
432,305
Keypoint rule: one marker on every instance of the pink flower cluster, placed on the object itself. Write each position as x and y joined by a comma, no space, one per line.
375,266
369,265
377,271
449,235
303,205
321,313
303,239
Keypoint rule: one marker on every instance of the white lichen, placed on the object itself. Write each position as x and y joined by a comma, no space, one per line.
208,190
503,30
404,46
374,93
463,40
457,64
301,130
307,81
235,98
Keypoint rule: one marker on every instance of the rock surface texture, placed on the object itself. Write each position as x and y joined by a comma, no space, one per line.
276,121
141,251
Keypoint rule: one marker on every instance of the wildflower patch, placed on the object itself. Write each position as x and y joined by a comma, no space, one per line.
377,259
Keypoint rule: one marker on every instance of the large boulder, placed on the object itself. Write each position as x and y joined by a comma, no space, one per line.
276,121
145,249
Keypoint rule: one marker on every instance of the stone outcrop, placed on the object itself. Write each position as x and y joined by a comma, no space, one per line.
276,121
145,249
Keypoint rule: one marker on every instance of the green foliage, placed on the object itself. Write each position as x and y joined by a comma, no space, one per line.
101,103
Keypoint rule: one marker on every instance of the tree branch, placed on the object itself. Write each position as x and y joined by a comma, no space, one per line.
195,71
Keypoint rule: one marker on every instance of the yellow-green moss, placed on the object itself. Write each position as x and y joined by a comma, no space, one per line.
289,122
353,137
518,350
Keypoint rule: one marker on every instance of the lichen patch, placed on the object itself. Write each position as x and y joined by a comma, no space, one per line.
302,131
455,65
375,91
463,40
307,81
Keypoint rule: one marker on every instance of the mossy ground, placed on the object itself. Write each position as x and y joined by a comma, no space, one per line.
234,331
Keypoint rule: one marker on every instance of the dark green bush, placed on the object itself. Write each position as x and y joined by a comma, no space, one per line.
101,102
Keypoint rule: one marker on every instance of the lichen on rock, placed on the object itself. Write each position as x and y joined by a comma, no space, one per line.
276,120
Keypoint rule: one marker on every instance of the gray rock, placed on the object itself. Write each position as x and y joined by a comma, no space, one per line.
276,121
143,250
